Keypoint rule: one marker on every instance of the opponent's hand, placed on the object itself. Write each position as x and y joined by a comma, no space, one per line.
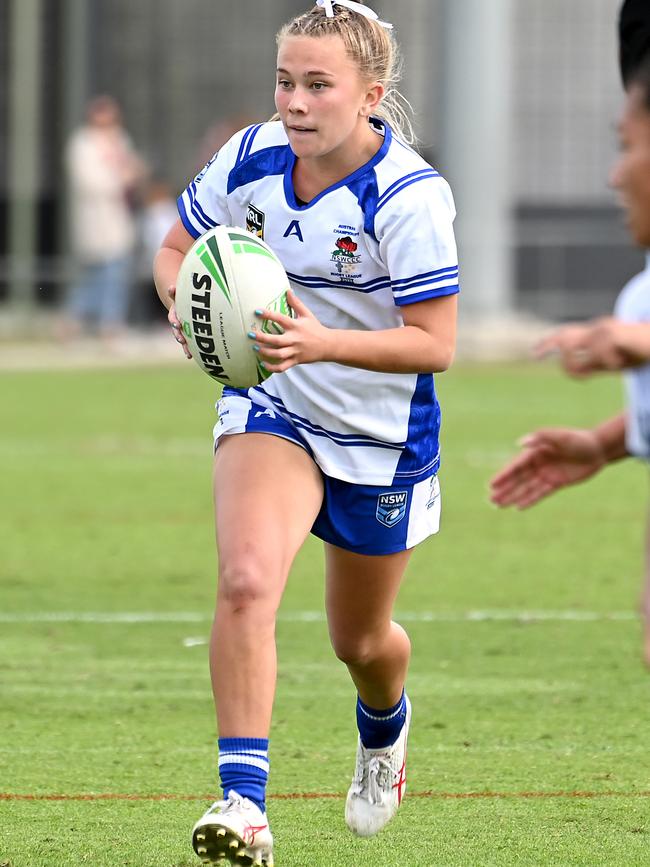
175,322
304,339
590,347
552,458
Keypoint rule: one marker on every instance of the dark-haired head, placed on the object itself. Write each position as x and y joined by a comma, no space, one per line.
633,37
631,172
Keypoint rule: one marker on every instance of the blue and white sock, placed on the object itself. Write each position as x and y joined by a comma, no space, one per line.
244,767
380,728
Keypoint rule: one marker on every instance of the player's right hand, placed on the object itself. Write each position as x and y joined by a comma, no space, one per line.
176,324
603,344
552,458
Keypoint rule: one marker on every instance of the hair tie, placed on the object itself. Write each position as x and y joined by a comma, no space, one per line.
359,8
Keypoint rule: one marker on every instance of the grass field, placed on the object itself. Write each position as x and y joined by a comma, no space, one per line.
529,743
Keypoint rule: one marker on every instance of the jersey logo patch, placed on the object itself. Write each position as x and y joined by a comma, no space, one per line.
294,229
346,256
255,221
391,508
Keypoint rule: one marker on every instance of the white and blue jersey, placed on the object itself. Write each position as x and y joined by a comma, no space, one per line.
633,305
370,244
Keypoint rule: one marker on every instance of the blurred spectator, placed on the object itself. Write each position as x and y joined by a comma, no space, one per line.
104,173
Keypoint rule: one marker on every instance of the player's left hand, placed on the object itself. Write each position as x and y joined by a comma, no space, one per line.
304,339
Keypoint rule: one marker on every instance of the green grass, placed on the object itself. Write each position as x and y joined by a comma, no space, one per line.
107,509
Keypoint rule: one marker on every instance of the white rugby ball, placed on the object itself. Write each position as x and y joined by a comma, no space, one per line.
226,275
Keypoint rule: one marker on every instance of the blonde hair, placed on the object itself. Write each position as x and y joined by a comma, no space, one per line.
375,51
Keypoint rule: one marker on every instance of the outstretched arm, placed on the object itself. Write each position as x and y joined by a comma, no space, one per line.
554,458
602,344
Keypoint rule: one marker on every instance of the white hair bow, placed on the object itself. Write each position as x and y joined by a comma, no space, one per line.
355,7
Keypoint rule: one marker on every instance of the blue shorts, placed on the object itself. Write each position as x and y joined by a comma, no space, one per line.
364,519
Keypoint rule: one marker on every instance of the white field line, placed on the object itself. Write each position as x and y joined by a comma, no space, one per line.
503,615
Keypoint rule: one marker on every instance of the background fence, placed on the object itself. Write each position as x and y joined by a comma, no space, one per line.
537,78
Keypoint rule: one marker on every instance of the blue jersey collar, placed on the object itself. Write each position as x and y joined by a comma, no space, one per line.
345,182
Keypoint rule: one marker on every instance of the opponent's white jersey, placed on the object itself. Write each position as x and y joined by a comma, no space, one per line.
371,243
633,305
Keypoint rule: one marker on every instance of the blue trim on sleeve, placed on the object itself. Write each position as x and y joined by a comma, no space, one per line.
197,210
387,192
434,276
428,293
242,145
251,139
185,219
405,182
440,282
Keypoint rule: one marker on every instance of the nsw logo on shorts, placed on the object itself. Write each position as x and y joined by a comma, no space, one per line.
391,508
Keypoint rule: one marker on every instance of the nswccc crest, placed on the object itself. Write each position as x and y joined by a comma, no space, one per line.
391,508
255,221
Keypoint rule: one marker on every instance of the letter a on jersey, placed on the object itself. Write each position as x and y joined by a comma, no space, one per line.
294,229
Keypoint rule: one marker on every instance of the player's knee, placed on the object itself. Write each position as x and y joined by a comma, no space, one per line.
246,586
354,650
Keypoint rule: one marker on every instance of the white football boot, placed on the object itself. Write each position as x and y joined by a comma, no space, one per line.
378,784
235,831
